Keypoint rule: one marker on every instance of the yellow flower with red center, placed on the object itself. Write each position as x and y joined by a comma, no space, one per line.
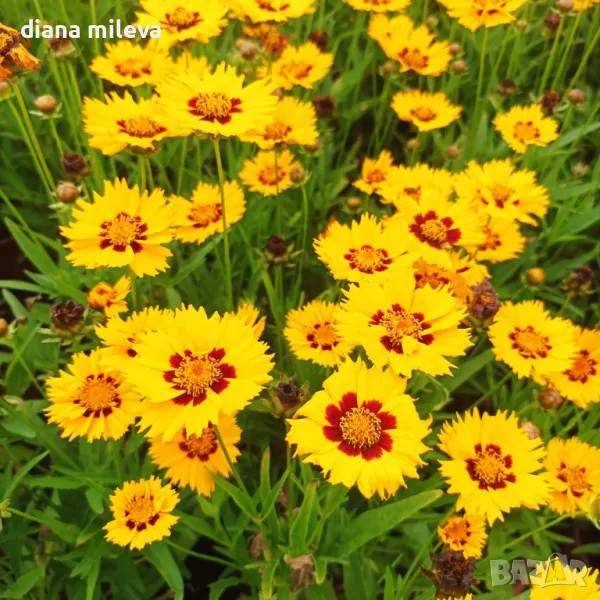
119,124
217,103
374,172
410,329
311,334
194,368
503,241
363,251
202,216
14,58
361,429
110,299
194,460
294,123
121,228
251,316
501,191
126,63
493,465
413,47
183,20
404,183
473,14
464,533
260,175
301,66
424,110
91,400
530,341
141,513
378,6
261,11
574,473
556,581
524,126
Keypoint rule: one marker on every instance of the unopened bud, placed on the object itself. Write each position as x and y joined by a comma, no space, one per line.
522,24
550,399
413,144
6,90
452,152
507,87
455,49
549,101
579,170
325,106
536,276
576,96
389,67
485,302
551,22
320,38
75,165
531,430
67,192
565,6
353,203
67,318
287,398
276,249
46,104
3,327
431,21
459,66
581,281
298,175
247,49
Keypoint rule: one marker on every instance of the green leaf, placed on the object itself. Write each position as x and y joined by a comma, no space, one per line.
559,269
23,472
299,529
466,370
34,252
219,587
320,563
200,526
265,477
242,499
57,483
375,523
267,579
23,585
22,286
92,580
161,558
269,503
197,259
389,590
94,498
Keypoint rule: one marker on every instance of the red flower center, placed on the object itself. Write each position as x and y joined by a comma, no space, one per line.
414,60
202,446
582,368
98,396
368,259
399,324
435,231
122,232
214,106
529,343
181,19
526,132
323,336
576,478
202,215
490,467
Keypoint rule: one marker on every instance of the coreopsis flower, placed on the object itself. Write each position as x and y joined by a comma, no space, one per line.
217,103
500,190
424,110
364,250
434,226
141,513
503,241
580,383
524,126
193,460
473,14
195,367
187,63
574,473
128,64
119,124
362,429
581,5
183,20
493,465
408,328
465,533
259,173
91,400
123,227
272,39
311,334
404,183
413,47
301,66
374,172
530,341
554,580
294,123
110,299
202,216
280,11
251,316
14,57
378,6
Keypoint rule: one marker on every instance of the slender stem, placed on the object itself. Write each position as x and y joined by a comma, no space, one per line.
232,467
228,279
215,559
134,297
584,60
75,86
278,224
550,63
23,515
56,137
566,52
536,530
150,176
482,64
142,173
494,389
182,165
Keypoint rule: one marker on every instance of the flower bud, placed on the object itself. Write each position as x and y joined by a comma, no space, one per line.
353,203
325,106
452,152
75,165
455,49
522,24
550,399
551,22
485,302
3,327
6,90
247,49
298,175
565,6
61,47
67,318
576,96
579,170
277,250
287,398
67,192
451,573
459,66
412,144
389,67
549,101
46,104
313,148
580,282
507,87
531,430
302,571
536,276
320,38
431,21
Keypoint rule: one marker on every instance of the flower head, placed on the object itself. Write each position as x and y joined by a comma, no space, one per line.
524,126
465,533
260,175
502,241
473,14
280,11
110,299
424,110
374,172
14,58
378,6
362,429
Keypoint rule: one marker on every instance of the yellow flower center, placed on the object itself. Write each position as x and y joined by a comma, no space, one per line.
325,335
529,342
298,70
375,176
133,68
277,131
6,42
526,131
368,259
492,240
413,59
423,114
434,231
360,428
582,368
213,105
201,445
399,324
457,530
489,467
123,230
97,394
197,373
140,509
203,215
267,175
501,194
182,19
575,478
140,127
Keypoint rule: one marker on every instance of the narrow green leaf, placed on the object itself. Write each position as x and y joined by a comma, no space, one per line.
197,259
23,585
201,527
466,371
92,580
265,477
15,305
161,558
299,529
218,588
34,252
320,563
94,498
269,504
243,501
268,577
22,286
23,472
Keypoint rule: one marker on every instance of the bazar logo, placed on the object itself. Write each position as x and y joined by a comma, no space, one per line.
557,570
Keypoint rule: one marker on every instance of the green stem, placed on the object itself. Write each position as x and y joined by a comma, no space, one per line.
566,52
494,389
214,559
56,138
182,165
530,533
584,60
142,173
481,65
74,85
232,467
550,62
150,176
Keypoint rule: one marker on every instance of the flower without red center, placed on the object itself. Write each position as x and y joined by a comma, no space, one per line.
323,336
297,70
122,232
422,113
181,19
360,428
202,446
141,127
490,468
141,512
529,343
582,368
414,60
203,215
214,106
368,259
575,478
526,132
98,396
133,68
7,43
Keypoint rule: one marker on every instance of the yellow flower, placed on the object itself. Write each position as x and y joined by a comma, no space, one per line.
126,63
413,47
503,241
530,341
141,513
259,175
473,14
574,474
14,58
260,11
187,63
193,460
524,126
581,5
362,429
311,334
109,299
90,400
408,328
202,216
121,228
184,20
120,123
464,533
301,66
577,584
294,122
251,316
465,597
404,183
218,103
374,172
580,383
195,367
501,191
492,465
424,110
378,6
363,251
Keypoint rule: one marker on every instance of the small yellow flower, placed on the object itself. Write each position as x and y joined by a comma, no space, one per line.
374,172
581,5
141,513
260,11
503,241
524,126
473,14
260,175
464,533
424,110
110,299
378,6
